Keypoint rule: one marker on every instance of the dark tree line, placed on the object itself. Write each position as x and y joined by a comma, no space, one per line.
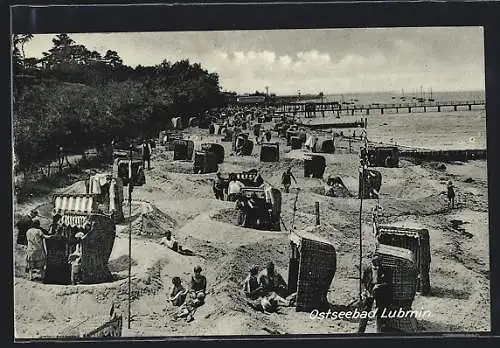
77,98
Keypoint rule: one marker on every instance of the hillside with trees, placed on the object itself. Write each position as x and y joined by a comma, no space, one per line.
77,98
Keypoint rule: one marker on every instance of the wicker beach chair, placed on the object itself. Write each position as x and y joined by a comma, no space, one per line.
313,264
416,240
217,149
205,162
269,152
314,165
76,211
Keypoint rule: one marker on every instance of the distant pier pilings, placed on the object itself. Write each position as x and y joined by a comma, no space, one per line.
320,109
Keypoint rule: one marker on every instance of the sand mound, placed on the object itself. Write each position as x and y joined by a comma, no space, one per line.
147,220
77,187
436,204
185,167
339,192
435,166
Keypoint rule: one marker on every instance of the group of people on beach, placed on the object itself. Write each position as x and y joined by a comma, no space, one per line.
188,299
231,188
32,236
265,290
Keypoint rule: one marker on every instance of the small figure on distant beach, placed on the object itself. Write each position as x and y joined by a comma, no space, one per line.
268,135
451,195
218,186
286,179
146,153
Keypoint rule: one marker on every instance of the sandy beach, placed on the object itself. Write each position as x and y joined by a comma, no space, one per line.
412,195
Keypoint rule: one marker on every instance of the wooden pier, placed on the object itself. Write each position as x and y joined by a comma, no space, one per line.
429,155
314,126
321,109
445,155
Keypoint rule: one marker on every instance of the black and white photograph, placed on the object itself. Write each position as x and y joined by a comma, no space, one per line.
250,182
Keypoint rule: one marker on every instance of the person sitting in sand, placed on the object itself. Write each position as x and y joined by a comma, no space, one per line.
190,305
177,292
195,296
251,286
169,242
273,284
172,244
198,282
255,297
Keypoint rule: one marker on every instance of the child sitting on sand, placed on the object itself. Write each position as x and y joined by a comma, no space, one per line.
177,292
191,304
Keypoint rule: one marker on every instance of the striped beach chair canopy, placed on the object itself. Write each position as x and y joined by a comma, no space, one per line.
245,176
77,204
297,236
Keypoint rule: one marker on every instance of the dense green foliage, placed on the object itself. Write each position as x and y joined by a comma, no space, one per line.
76,98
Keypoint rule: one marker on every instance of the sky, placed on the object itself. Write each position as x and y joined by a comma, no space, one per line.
310,61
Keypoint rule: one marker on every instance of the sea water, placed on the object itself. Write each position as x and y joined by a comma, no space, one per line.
446,130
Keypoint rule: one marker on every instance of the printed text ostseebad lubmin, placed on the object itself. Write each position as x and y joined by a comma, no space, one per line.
356,314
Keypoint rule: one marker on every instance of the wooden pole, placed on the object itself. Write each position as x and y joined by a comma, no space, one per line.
317,213
129,238
360,229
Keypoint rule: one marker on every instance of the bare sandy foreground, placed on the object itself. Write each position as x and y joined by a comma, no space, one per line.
412,195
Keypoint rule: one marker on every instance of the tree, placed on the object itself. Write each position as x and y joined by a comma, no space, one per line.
18,55
113,59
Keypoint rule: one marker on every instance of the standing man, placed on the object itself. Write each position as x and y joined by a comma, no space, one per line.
218,187
234,188
146,154
451,195
286,179
268,135
36,254
60,157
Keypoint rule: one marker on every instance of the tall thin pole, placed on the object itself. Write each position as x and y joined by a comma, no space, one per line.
317,213
129,235
360,228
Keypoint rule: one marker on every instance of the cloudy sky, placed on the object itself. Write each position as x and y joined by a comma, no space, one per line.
328,60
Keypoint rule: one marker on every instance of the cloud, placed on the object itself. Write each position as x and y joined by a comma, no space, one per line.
332,60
